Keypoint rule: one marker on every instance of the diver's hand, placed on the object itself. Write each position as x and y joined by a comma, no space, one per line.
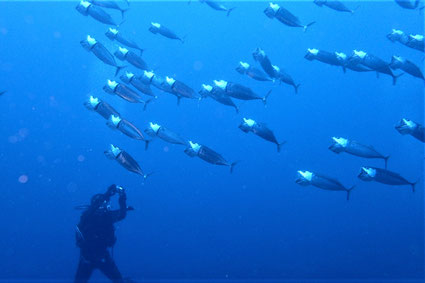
120,190
122,194
112,189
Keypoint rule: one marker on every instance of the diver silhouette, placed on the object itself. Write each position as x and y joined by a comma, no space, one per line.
95,234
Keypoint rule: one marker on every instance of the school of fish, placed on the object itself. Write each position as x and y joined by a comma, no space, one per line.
133,85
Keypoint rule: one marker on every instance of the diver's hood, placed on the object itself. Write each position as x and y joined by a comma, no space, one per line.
367,174
304,178
406,126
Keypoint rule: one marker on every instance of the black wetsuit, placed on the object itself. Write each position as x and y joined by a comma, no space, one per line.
95,234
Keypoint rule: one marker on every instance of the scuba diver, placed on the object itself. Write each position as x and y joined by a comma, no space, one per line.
95,233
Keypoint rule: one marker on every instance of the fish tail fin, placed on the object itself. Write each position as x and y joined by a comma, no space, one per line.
183,40
414,185
232,166
141,50
147,175
147,144
145,104
386,160
349,191
296,88
308,25
266,97
395,77
123,20
230,10
119,68
279,145
123,14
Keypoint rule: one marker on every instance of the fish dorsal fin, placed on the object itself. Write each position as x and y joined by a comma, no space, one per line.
249,122
157,25
155,127
313,51
94,101
112,85
275,7
207,87
195,146
244,65
115,120
114,31
306,175
341,141
115,150
221,84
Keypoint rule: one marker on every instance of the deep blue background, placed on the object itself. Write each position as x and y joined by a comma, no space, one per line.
195,220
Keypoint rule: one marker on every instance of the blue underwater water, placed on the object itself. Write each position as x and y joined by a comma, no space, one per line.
194,220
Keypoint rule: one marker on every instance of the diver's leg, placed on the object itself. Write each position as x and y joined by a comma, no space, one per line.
84,271
110,269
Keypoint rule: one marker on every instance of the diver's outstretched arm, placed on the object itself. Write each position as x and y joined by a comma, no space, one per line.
118,215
